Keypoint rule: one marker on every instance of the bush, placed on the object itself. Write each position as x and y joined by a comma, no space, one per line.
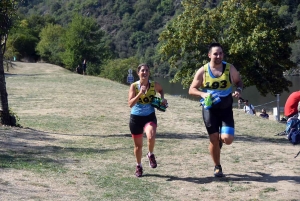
117,70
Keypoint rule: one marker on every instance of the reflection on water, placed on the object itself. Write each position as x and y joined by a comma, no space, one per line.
250,93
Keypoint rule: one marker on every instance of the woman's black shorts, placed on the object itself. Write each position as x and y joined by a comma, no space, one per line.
137,123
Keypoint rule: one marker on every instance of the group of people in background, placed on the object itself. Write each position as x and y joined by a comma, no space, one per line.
291,107
249,109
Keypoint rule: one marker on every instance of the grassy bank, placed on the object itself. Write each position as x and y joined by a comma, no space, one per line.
75,144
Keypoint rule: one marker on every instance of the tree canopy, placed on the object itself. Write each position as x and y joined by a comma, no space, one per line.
83,39
50,46
7,11
254,37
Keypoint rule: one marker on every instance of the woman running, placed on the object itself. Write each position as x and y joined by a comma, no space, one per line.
142,116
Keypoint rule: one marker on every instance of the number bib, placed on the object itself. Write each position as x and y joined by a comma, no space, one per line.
145,98
143,107
220,84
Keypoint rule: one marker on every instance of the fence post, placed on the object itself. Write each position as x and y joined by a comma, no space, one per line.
278,108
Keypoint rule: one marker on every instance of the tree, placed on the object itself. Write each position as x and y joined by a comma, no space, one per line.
7,12
50,45
24,36
257,46
117,70
83,39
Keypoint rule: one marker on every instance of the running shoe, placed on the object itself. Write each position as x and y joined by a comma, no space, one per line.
138,171
218,171
152,161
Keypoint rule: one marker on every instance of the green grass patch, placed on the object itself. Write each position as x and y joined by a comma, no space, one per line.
29,162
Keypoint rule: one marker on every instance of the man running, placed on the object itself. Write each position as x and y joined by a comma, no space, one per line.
217,78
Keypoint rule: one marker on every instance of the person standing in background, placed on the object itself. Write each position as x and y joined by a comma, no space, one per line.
249,108
84,67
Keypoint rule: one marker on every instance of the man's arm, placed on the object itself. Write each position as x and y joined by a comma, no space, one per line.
196,84
236,79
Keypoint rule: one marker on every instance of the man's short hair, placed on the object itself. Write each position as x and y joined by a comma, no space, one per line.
214,45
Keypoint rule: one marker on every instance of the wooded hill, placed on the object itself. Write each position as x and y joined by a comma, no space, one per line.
130,28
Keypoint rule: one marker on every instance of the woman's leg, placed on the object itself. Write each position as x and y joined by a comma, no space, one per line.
138,146
150,130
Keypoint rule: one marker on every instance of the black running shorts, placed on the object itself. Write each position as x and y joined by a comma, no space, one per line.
219,116
137,123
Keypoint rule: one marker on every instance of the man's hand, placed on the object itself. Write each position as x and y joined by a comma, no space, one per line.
236,94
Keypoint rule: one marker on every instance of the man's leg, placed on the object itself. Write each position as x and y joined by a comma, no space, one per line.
227,138
214,148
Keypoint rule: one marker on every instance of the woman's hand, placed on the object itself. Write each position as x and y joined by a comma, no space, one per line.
143,89
164,101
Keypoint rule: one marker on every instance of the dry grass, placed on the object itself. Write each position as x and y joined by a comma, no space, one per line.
75,144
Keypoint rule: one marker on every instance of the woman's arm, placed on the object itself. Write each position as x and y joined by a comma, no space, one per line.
132,97
160,90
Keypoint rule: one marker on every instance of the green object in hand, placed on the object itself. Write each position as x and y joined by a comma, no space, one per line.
208,100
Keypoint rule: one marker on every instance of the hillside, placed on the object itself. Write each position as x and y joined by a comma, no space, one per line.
131,25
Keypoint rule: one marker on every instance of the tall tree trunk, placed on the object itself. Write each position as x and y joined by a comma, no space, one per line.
5,120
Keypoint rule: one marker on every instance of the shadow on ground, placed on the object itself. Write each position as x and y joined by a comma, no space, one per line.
21,148
244,178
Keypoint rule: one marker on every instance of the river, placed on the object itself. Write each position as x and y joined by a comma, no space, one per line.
250,93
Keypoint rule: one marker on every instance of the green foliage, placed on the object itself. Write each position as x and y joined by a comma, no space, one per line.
166,7
15,118
10,50
35,23
50,46
93,69
296,52
25,44
284,13
117,69
133,26
256,46
83,40
8,10
24,36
